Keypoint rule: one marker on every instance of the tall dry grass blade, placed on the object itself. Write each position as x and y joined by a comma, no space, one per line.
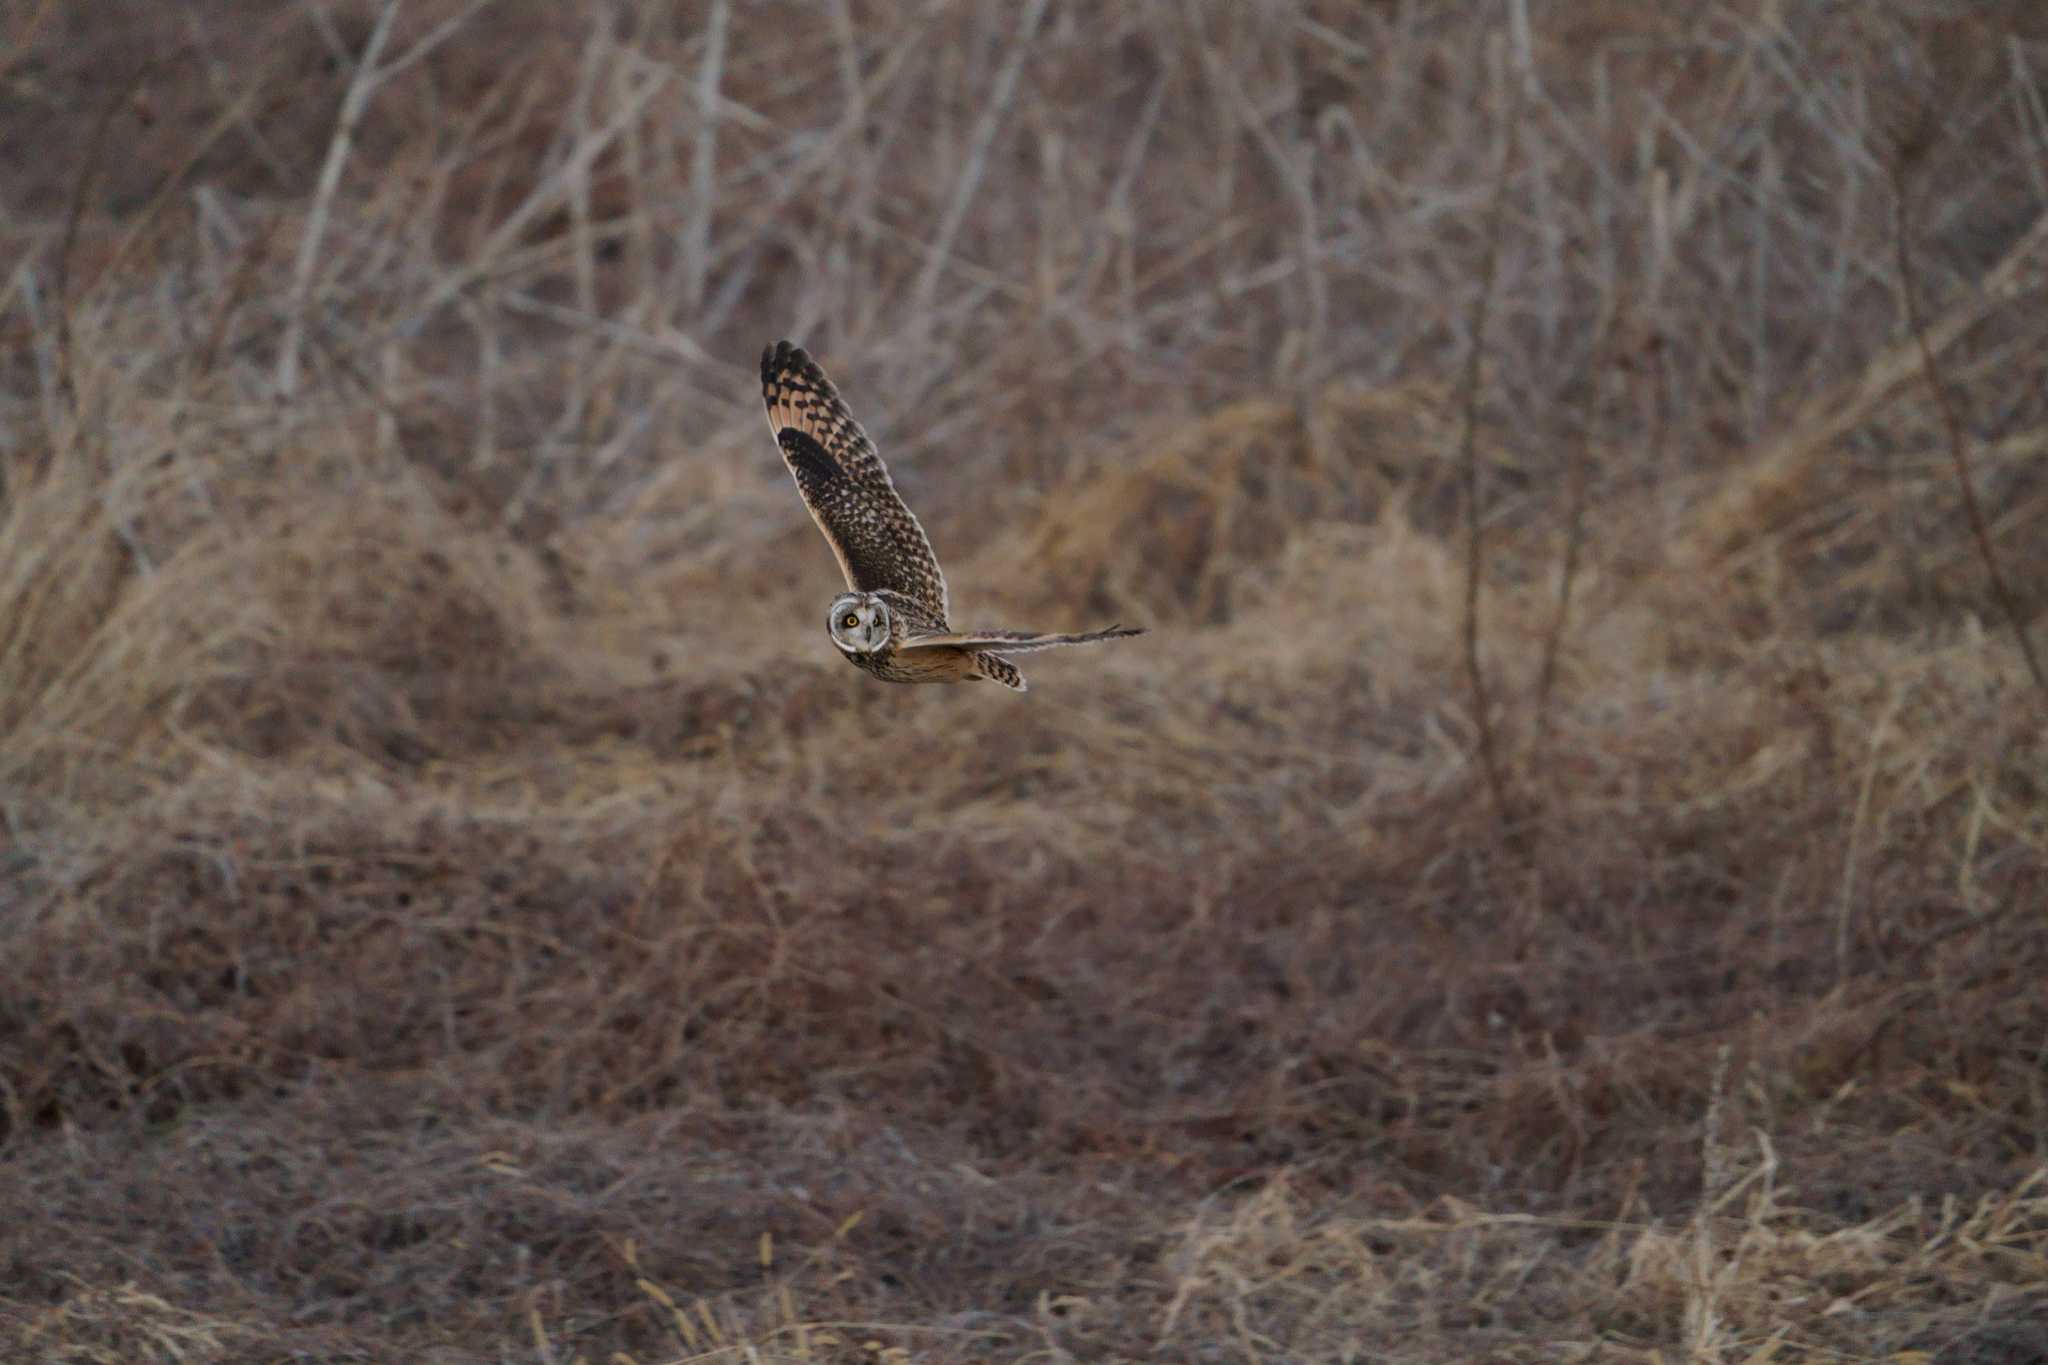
1468,452
1702,1319
1859,820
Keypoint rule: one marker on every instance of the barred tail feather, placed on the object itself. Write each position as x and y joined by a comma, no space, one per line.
998,669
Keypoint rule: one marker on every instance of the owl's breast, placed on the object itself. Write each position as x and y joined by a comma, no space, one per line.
937,664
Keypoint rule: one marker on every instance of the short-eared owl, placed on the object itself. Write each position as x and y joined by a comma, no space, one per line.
892,622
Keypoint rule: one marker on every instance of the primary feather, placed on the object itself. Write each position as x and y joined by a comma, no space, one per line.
1015,641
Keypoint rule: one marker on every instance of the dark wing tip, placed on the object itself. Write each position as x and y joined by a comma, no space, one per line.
784,358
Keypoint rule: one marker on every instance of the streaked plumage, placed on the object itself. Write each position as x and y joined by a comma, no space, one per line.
892,621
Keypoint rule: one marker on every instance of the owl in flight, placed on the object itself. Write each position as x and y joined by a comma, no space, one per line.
892,620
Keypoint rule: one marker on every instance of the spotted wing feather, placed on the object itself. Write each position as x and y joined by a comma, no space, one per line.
878,542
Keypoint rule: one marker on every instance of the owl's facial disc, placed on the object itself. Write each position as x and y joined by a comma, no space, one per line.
858,623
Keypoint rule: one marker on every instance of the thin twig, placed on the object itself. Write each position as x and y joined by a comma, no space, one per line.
977,158
1749,505
704,159
583,249
1944,401
1577,479
1293,171
1468,454
22,41
74,214
360,87
253,254
368,79
488,257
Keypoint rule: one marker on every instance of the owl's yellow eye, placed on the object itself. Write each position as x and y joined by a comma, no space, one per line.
851,621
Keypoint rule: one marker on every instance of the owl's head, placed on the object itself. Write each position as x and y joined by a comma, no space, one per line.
859,623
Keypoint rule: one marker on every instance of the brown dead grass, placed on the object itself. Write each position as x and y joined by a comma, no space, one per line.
457,909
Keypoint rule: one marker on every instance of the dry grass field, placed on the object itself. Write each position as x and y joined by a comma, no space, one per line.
1564,877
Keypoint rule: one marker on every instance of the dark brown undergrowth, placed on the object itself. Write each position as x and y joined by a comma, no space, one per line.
456,907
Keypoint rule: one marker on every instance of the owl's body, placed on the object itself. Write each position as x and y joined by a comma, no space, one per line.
892,662
940,666
892,621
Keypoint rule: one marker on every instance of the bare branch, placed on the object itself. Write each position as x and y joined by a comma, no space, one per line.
1930,367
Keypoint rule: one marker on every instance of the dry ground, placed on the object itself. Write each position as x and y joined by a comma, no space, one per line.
454,906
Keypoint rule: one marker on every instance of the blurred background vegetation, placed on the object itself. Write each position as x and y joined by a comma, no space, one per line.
1566,875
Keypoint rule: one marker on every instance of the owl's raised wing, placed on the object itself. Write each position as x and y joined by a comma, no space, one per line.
844,483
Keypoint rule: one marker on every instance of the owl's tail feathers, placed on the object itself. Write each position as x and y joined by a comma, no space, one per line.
999,669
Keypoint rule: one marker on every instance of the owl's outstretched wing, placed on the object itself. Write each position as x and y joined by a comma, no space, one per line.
1013,641
844,483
